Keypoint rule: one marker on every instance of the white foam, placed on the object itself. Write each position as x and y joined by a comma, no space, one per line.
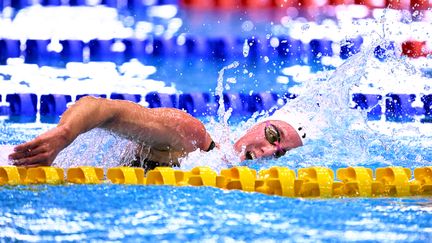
5,150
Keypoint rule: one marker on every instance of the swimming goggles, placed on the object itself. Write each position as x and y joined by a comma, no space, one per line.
272,135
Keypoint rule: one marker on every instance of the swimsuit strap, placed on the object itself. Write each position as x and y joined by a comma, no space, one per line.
151,164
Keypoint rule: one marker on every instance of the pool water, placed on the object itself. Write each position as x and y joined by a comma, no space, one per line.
163,213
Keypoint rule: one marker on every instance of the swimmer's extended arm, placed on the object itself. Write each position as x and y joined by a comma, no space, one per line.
162,128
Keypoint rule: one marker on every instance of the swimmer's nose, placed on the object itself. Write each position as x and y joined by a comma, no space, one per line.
267,151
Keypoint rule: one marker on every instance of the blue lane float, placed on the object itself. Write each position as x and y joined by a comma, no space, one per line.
37,52
263,101
351,47
369,102
4,110
51,2
22,104
155,100
291,51
110,3
196,104
394,107
131,97
399,108
381,52
161,46
142,48
319,49
9,48
427,106
218,48
134,48
72,51
18,4
76,3
256,47
236,101
188,46
94,95
54,104
104,50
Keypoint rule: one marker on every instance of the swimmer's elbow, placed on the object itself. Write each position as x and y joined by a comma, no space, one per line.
207,142
196,134
87,100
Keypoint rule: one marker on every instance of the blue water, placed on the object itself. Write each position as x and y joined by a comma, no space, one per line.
149,213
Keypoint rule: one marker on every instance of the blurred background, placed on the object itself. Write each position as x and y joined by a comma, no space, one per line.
169,52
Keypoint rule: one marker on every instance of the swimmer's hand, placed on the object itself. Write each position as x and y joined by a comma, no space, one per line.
42,150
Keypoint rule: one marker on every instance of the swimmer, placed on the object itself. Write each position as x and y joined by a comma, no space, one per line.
167,134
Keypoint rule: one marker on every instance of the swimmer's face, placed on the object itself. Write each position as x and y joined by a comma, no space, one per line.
271,138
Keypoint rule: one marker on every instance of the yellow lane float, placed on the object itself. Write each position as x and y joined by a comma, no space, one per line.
167,176
356,181
276,181
85,175
281,181
11,175
395,181
422,185
314,182
202,176
126,175
240,178
45,175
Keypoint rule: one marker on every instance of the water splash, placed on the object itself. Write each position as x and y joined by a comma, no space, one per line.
338,133
343,136
97,147
220,132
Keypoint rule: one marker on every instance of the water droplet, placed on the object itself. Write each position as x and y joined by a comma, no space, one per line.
232,80
246,48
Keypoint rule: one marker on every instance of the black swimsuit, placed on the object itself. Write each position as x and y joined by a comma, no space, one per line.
151,164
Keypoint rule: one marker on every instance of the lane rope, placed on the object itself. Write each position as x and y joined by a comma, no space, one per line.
315,182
